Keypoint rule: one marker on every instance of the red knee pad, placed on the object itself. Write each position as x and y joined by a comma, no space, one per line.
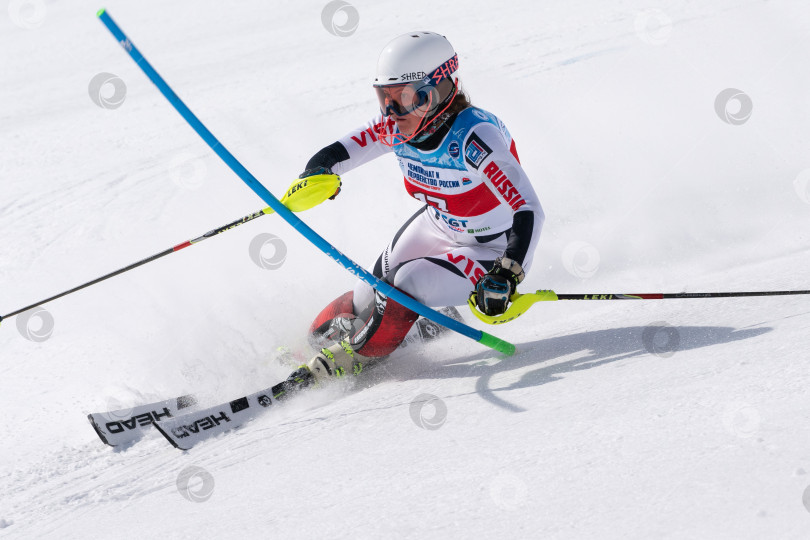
389,331
320,327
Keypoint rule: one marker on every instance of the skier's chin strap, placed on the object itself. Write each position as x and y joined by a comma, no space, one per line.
395,139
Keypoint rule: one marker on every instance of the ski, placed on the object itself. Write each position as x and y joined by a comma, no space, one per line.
126,426
174,419
185,431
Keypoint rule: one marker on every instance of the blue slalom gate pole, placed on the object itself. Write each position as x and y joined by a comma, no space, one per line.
330,250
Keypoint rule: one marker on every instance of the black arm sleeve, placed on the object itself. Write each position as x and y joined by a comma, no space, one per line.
520,236
328,156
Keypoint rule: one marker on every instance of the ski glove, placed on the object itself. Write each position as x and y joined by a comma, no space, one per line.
493,290
316,171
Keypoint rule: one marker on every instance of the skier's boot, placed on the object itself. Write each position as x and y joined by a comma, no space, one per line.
298,380
336,361
429,330
426,330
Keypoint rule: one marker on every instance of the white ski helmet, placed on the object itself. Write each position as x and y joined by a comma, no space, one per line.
414,56
418,62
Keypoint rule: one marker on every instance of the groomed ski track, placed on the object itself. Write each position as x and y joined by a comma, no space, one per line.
593,430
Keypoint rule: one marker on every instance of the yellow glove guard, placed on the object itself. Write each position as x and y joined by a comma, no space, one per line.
520,305
306,193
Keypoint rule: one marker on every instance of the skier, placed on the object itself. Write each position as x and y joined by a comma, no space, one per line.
479,223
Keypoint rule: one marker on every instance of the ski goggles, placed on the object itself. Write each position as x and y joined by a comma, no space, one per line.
419,95
405,99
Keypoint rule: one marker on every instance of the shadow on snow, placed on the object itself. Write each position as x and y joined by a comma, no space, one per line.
592,349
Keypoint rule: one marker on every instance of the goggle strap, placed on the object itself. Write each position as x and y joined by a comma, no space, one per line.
443,71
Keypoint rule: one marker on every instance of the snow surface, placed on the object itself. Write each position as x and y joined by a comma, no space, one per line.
585,433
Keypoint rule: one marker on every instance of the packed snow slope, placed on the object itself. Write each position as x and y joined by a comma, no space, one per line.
607,423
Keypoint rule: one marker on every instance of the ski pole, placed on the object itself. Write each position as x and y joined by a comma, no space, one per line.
302,195
522,302
257,187
156,256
